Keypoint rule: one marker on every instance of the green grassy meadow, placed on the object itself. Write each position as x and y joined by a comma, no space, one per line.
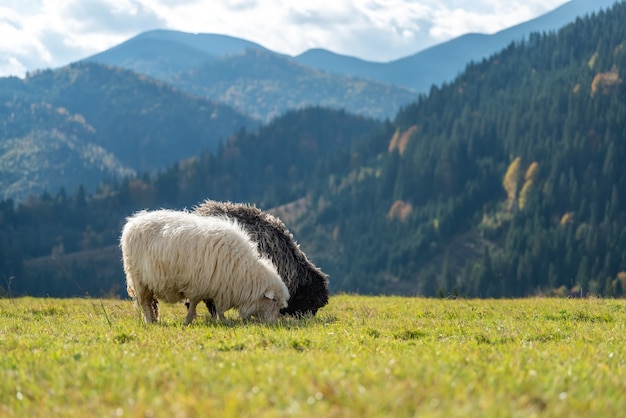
360,357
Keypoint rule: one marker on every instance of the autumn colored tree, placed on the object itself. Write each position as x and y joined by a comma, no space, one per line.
511,182
529,179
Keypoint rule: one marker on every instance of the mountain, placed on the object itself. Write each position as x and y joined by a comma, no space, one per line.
211,46
162,53
209,64
443,62
44,148
506,182
88,122
248,77
503,183
265,85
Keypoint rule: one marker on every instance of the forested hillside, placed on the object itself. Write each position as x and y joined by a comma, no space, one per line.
506,182
88,121
65,243
43,147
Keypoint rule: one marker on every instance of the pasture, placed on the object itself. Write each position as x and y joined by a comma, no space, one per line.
359,357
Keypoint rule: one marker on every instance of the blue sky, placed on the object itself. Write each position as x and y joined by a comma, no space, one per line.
38,34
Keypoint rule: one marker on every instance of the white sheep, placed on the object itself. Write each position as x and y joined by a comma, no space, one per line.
172,256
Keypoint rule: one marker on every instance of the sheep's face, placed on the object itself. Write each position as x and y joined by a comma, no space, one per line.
307,298
267,307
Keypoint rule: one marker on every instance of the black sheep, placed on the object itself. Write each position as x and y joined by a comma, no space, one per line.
307,284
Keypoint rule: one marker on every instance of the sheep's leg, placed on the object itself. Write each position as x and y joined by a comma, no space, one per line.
155,309
220,315
210,305
149,305
191,312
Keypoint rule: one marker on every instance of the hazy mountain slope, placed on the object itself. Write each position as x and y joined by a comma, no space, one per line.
161,53
154,57
265,85
44,148
145,123
88,122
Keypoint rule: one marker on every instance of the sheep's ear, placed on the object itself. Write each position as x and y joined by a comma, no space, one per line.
269,294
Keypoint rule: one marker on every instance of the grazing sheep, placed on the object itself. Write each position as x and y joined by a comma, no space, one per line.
307,285
173,256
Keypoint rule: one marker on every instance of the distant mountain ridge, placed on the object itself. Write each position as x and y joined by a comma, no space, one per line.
161,53
208,43
249,77
443,62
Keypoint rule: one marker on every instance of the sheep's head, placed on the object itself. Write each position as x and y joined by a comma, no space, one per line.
307,298
267,307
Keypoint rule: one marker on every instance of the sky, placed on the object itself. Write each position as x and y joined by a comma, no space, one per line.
39,34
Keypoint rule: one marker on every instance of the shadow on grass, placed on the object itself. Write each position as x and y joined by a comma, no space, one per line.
284,322
232,320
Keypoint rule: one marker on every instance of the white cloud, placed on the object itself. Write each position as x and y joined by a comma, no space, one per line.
49,33
111,15
20,45
492,16
11,66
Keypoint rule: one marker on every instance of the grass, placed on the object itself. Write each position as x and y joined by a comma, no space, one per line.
360,357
